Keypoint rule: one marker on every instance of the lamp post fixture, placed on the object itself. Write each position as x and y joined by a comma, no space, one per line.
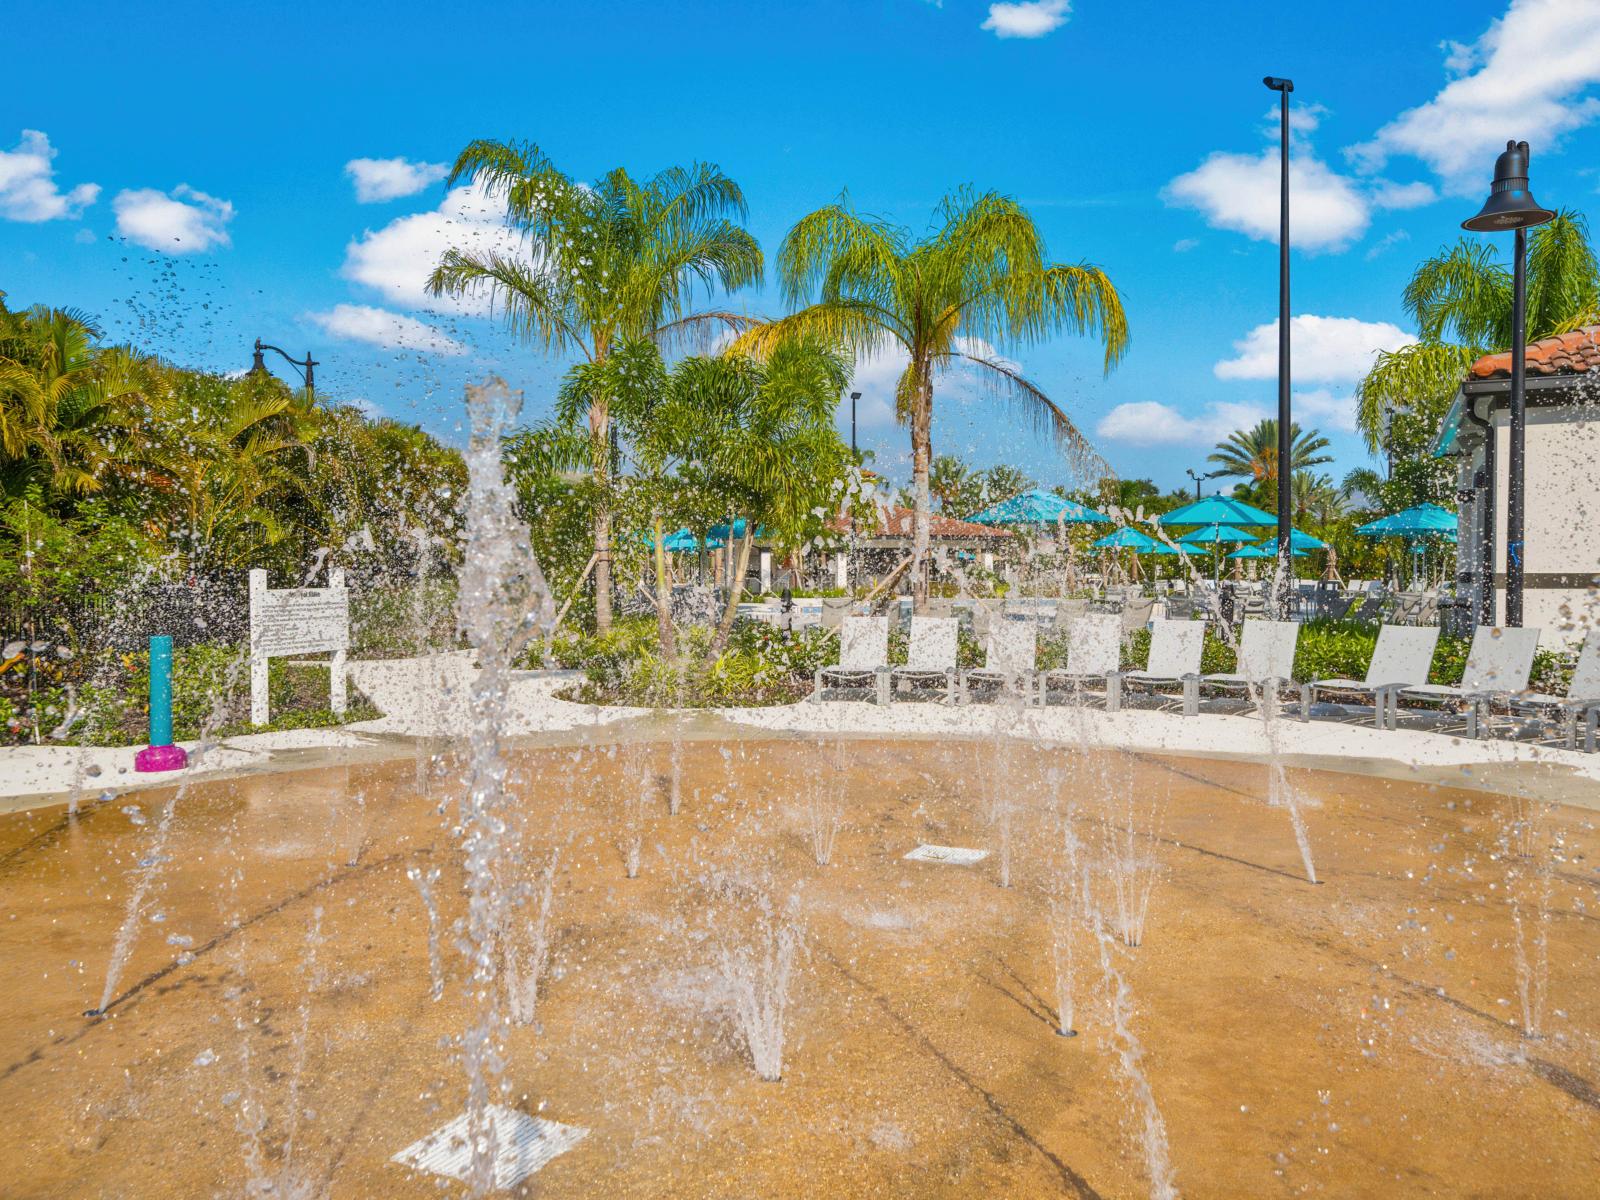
1285,450
306,368
1198,479
1511,206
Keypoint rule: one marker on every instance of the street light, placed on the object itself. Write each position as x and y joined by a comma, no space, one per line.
306,368
1189,471
1285,563
1511,206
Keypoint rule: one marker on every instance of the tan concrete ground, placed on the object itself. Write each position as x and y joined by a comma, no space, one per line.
1356,1038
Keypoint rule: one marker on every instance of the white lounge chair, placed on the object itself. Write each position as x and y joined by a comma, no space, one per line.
931,655
1136,613
863,657
1009,656
1402,658
1266,660
1582,699
1175,649
1498,665
1094,654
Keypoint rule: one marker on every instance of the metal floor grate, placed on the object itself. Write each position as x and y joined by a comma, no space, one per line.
523,1145
958,855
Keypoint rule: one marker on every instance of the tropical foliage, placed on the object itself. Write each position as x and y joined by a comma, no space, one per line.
1460,300
604,265
981,279
960,490
1252,455
120,473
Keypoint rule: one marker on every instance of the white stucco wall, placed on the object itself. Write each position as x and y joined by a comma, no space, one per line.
1562,516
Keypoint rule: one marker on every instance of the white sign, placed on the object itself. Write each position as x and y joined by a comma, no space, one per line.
297,621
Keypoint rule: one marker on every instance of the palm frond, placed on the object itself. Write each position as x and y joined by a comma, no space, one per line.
1028,401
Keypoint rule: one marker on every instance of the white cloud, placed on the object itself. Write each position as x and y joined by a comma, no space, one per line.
1525,78
379,179
1403,195
1151,423
395,261
28,188
185,222
1184,245
1387,242
1324,410
1240,192
1028,19
380,327
1322,349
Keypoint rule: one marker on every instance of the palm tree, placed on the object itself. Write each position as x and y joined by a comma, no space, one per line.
1363,484
607,263
980,278
954,485
1315,498
1252,454
1461,301
59,400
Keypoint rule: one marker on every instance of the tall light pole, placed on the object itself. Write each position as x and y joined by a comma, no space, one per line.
306,368
1285,448
1511,206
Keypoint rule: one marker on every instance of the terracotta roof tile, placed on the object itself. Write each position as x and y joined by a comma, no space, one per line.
897,523
1564,354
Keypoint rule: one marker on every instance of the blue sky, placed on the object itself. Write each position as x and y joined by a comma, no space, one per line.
1137,133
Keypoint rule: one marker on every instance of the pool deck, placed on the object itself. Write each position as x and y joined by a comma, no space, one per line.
425,701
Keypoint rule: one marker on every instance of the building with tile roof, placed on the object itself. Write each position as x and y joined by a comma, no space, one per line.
1561,549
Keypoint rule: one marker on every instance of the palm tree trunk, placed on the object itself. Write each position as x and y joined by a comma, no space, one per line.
599,430
669,639
735,590
921,460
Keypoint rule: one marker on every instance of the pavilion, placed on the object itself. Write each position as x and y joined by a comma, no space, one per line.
1562,516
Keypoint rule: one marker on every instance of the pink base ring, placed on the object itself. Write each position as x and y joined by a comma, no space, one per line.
161,758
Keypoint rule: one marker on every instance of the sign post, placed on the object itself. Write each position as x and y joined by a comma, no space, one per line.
288,621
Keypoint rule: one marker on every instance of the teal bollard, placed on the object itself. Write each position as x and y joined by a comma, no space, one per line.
161,754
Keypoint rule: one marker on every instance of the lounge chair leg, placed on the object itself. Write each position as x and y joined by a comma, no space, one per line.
1114,692
1590,727
1472,719
949,687
882,682
1305,703
816,691
1191,696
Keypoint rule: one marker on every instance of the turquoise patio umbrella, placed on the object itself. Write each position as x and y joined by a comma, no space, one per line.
1218,510
1299,541
1126,538
722,531
1266,551
1424,520
1215,535
1417,525
1037,506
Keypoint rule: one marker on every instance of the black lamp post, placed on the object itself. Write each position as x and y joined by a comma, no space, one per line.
306,368
1189,471
1285,450
1511,206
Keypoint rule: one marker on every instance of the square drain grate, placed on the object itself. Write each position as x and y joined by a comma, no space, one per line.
958,855
523,1144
